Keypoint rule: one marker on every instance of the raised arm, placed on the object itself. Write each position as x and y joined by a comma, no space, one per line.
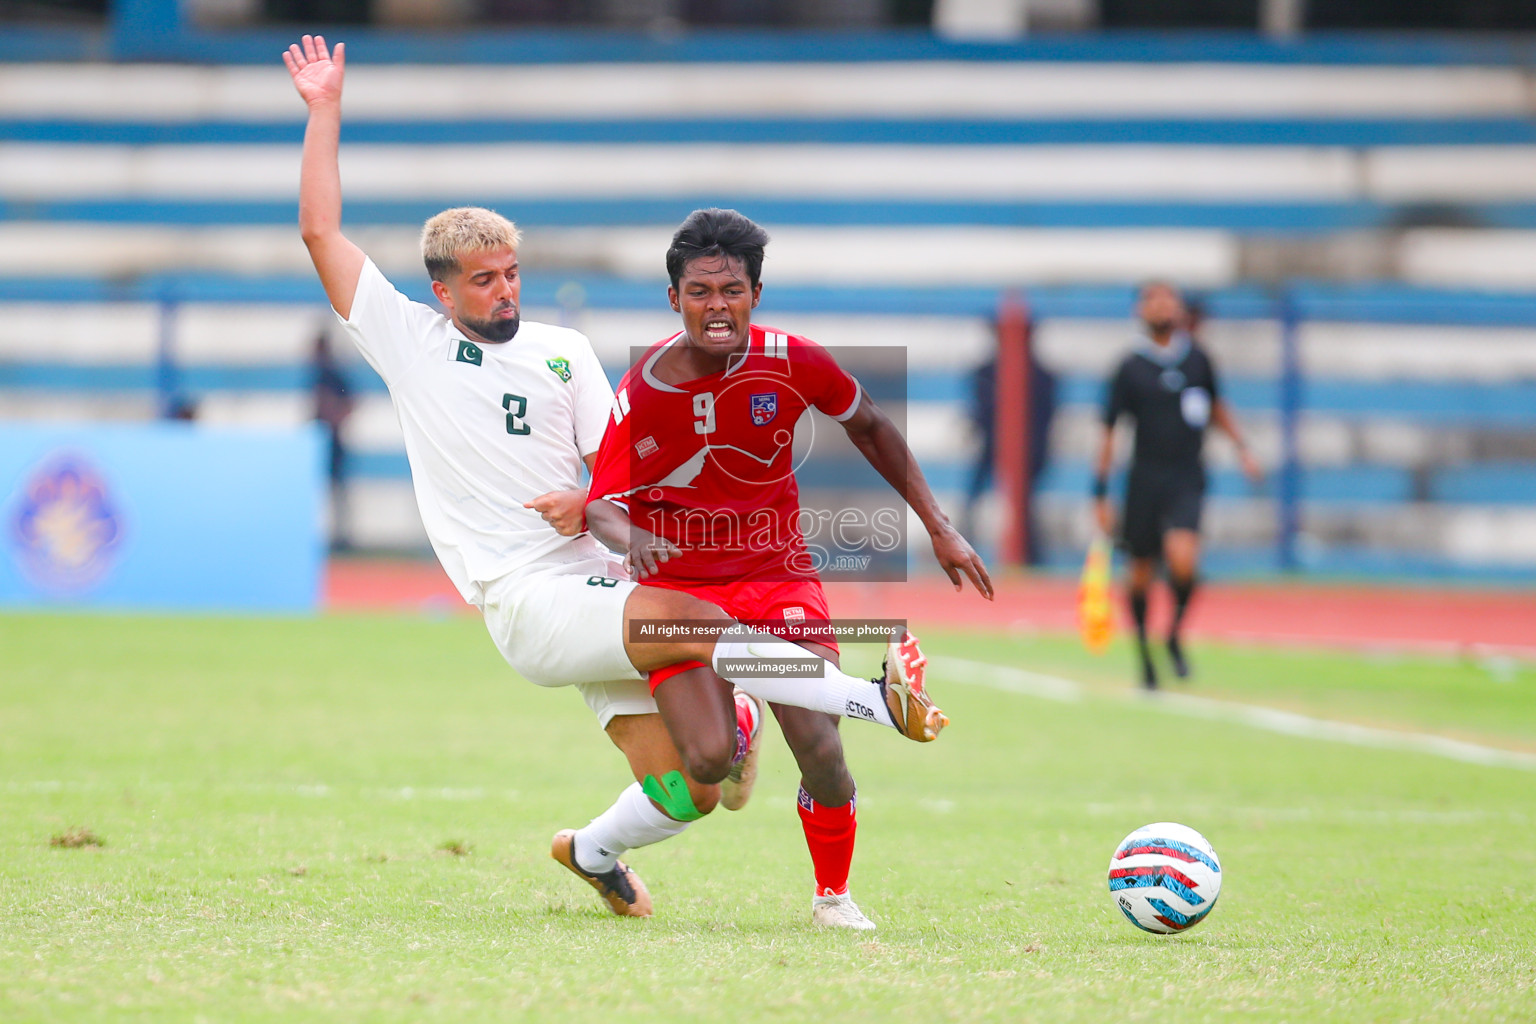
318,75
878,440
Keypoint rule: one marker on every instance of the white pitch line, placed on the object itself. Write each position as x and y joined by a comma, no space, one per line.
1037,684
1340,815
1448,649
1017,680
1291,724
311,790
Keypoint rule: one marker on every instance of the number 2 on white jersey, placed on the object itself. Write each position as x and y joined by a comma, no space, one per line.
704,412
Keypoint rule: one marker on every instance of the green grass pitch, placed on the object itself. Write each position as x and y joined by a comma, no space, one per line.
348,818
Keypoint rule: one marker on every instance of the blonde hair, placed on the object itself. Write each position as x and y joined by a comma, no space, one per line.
461,230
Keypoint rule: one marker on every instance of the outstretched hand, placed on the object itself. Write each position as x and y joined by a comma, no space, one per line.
646,553
1104,516
316,73
1251,468
956,556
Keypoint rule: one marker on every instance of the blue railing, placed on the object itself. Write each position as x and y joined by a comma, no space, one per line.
1506,406
925,131
1278,217
156,30
1371,302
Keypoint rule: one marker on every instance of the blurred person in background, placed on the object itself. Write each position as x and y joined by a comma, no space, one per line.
983,414
1168,386
332,407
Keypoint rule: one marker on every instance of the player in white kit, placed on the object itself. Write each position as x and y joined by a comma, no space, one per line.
499,417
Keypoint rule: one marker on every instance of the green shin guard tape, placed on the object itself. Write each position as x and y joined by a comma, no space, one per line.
672,796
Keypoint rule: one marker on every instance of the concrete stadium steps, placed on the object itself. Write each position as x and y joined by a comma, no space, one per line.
931,256
281,334
1280,221
902,197
382,514
1476,259
247,364
1006,172
1361,435
914,254
931,342
1377,302
1362,471
870,89
1251,348
73,406
1246,130
1326,440
491,45
37,171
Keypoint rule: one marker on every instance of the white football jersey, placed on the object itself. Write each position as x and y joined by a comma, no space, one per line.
487,427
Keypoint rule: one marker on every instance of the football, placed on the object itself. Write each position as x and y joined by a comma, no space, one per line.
1165,877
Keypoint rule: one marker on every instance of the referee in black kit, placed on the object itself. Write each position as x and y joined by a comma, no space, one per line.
1167,384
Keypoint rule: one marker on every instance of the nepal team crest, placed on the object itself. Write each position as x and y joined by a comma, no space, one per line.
65,526
764,408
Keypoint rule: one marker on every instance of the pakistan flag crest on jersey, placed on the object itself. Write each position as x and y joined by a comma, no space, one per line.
469,352
561,367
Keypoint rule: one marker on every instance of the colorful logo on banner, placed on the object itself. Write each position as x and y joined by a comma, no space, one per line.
65,526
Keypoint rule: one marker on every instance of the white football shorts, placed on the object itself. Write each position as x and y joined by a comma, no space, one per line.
563,625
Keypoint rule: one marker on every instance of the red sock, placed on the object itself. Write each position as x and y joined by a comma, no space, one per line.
829,833
746,721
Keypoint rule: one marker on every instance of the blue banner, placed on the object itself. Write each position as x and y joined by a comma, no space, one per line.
160,516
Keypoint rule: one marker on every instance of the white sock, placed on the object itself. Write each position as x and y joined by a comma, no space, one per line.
746,657
633,821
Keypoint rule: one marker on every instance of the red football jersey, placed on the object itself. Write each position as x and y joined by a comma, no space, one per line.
709,464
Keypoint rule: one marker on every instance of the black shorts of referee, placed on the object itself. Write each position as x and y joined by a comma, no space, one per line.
1159,498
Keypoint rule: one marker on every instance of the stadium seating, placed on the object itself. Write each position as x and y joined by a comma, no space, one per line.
146,236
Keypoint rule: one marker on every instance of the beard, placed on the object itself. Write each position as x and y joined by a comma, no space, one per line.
496,329
1161,327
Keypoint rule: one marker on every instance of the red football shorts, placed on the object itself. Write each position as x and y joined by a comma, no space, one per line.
796,609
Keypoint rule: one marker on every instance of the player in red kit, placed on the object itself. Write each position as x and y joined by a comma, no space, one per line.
695,482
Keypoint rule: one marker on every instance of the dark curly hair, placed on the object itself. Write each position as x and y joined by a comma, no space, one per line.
716,232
